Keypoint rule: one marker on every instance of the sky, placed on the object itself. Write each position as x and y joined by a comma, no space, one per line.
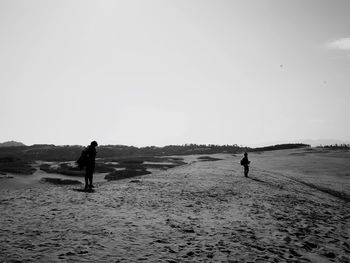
174,72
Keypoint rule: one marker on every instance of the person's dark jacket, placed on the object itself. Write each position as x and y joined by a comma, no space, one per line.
245,161
90,156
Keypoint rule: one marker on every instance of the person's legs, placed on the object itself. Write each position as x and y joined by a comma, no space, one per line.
246,170
86,178
90,180
92,168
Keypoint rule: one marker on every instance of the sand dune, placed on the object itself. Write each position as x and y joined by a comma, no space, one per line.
199,212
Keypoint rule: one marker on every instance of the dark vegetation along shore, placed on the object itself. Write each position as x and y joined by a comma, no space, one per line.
117,161
11,164
116,168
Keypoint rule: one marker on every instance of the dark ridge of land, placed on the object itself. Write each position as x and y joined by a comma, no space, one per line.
279,147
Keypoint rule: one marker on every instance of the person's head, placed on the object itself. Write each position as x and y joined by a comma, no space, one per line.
94,144
245,154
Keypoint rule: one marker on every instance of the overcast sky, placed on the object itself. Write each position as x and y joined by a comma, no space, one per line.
174,72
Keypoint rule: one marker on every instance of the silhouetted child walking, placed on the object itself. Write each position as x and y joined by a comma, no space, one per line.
245,162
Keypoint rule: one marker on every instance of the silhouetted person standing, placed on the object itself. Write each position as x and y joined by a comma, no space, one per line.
90,164
245,162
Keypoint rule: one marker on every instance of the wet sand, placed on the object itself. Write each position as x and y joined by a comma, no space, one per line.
199,212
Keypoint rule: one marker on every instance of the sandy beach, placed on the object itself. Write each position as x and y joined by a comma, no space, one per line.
203,211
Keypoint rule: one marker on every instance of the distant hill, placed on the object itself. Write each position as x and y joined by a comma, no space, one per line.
11,144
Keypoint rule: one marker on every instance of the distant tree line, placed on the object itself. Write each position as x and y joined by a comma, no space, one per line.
69,153
335,146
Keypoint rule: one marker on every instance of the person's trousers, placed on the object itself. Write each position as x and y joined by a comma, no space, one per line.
246,170
88,174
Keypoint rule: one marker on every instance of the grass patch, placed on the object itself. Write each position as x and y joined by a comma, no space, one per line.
15,165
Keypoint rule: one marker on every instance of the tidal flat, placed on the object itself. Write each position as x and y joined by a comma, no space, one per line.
293,207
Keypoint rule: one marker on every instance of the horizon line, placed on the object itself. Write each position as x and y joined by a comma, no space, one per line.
311,142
